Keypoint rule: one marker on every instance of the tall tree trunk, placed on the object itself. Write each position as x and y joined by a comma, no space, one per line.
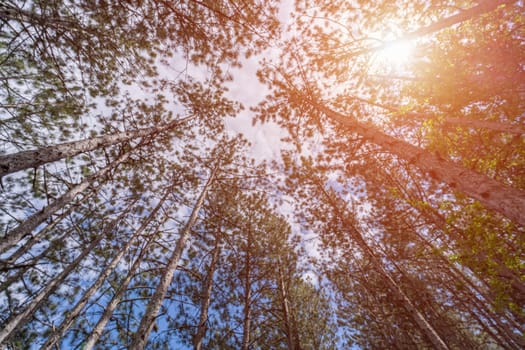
420,320
146,325
28,225
483,6
508,128
288,324
73,314
40,235
504,199
206,295
31,159
432,335
247,312
26,265
96,332
19,319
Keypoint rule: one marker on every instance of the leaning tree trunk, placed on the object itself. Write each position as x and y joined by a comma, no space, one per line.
288,325
499,127
96,332
146,325
504,199
31,159
28,225
40,235
483,6
420,320
247,312
27,265
12,325
432,335
206,296
73,314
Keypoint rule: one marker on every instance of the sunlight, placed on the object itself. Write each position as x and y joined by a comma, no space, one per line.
394,56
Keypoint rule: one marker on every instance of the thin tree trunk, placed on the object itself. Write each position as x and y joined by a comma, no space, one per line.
289,328
31,159
73,314
96,332
23,268
11,326
477,124
146,325
499,266
40,235
483,6
32,222
247,314
504,199
206,296
432,335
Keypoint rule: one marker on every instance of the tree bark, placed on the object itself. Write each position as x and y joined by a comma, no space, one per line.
483,6
73,314
206,296
31,159
432,335
11,326
494,195
146,325
28,225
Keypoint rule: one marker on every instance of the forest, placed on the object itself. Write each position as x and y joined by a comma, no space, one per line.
262,174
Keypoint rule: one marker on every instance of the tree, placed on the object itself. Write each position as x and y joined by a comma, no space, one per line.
13,323
133,218
296,96
146,324
32,222
376,270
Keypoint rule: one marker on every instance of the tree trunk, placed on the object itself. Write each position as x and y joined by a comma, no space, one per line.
206,296
31,159
96,332
247,315
500,127
483,6
477,124
40,235
289,327
73,314
432,335
416,315
30,309
32,222
24,267
146,325
504,199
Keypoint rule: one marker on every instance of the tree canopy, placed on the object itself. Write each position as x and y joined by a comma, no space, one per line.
390,217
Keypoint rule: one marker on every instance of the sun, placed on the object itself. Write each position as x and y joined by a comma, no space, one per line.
393,56
397,52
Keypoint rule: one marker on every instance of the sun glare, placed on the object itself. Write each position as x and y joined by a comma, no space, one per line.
394,55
